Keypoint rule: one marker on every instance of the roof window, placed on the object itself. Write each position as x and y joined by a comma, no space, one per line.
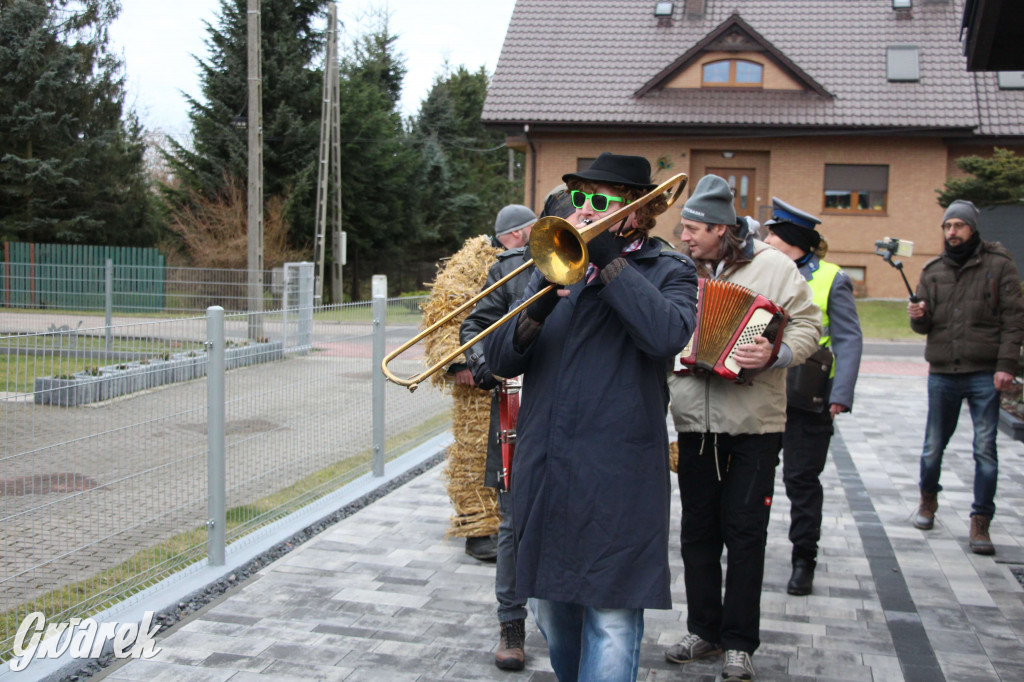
902,63
1011,80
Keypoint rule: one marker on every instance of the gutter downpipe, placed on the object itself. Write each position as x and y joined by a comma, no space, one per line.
533,167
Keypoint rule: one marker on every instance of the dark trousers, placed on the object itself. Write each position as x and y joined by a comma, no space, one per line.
726,506
510,607
804,449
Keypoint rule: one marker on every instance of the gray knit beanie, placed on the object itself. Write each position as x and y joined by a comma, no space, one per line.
711,202
513,217
965,211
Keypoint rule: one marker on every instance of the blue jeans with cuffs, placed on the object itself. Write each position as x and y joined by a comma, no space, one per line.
946,393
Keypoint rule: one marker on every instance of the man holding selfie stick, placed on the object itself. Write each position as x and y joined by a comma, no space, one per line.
969,304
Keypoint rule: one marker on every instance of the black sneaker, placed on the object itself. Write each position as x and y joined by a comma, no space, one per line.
484,548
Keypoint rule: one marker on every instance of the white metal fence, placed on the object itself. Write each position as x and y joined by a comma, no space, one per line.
107,432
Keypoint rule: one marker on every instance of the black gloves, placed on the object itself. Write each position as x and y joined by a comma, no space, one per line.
604,248
481,374
539,310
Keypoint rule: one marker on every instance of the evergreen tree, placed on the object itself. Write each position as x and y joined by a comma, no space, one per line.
292,88
464,166
378,168
996,180
71,159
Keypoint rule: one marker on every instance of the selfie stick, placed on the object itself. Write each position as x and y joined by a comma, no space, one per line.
914,298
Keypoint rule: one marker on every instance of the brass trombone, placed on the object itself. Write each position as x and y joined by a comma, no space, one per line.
559,252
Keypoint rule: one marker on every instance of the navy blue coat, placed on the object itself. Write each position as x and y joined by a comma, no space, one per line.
590,479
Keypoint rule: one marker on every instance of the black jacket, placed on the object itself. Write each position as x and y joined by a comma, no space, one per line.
487,312
590,482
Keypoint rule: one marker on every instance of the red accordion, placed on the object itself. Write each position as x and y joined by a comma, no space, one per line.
729,315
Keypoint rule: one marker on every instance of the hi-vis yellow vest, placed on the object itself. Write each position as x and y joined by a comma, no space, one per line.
821,284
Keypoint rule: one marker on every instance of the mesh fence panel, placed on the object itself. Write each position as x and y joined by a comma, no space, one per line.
104,457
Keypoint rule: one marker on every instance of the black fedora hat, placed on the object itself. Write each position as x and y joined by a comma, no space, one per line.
617,169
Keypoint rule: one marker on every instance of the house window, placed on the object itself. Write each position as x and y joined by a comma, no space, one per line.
857,276
733,72
855,188
856,272
583,163
902,63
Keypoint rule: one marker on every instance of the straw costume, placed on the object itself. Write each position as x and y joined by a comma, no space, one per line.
476,506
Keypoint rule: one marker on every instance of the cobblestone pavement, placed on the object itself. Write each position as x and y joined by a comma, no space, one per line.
383,596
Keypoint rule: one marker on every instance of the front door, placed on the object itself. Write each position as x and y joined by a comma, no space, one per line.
741,181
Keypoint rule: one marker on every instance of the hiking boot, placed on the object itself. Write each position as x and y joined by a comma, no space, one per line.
690,649
510,654
980,541
483,548
738,667
925,517
802,580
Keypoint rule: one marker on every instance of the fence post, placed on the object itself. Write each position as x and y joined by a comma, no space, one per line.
380,308
306,303
215,409
109,301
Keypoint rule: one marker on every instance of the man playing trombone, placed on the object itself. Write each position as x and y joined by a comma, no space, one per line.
591,490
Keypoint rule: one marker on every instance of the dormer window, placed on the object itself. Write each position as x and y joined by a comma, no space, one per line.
726,73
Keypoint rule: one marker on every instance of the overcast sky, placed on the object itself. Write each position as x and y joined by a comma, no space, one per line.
159,39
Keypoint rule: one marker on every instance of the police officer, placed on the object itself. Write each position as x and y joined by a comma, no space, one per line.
809,427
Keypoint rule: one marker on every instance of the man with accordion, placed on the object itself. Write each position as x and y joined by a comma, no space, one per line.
730,415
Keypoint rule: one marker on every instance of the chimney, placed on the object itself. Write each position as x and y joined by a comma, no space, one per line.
695,9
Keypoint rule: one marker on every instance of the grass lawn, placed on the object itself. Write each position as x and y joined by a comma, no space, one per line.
886,320
18,373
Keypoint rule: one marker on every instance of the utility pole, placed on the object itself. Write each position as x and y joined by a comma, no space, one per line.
255,194
340,241
329,165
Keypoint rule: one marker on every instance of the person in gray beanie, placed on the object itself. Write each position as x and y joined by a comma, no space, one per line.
514,218
730,436
971,310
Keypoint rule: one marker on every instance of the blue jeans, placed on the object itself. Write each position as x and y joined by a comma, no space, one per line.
589,644
510,607
946,392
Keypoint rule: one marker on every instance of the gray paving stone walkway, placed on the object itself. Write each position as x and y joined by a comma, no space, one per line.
383,596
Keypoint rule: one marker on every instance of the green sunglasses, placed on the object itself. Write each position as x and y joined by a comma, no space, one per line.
599,202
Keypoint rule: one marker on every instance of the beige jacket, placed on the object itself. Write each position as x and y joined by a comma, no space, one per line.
706,403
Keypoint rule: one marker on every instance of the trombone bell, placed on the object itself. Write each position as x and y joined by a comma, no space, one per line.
558,250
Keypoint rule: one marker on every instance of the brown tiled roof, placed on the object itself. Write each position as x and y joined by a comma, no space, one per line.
598,62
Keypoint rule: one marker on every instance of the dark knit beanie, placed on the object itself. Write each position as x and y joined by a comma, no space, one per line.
965,211
711,202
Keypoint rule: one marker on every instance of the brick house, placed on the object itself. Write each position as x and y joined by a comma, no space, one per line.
855,110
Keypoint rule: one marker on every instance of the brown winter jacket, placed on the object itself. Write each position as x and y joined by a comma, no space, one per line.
974,315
